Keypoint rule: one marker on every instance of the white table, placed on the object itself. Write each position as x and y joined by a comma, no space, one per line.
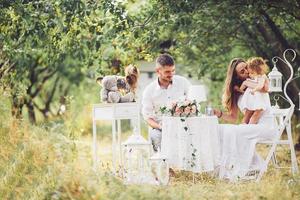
114,112
197,149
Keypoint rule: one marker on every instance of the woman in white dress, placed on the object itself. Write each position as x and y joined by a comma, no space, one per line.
238,155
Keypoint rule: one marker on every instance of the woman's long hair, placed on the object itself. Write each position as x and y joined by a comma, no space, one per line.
230,97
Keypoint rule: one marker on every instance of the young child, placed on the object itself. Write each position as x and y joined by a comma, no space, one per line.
118,89
254,102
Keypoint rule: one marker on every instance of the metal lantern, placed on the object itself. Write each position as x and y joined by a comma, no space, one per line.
275,80
135,157
159,169
276,99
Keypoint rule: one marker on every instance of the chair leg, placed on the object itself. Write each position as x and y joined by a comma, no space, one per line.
266,162
274,160
294,167
262,171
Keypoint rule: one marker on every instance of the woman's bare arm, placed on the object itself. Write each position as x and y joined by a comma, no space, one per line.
238,89
228,116
242,87
250,84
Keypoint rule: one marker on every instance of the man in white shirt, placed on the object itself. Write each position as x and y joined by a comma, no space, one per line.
161,92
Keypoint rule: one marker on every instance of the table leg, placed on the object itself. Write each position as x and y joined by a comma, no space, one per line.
114,145
94,145
119,141
139,124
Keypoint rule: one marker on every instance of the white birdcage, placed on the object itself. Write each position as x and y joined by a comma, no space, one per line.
135,157
275,80
159,169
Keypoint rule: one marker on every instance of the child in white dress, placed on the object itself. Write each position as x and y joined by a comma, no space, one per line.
253,102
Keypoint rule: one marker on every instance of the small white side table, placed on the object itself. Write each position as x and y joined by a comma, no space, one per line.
114,112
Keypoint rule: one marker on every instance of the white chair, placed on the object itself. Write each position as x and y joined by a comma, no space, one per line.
283,119
149,133
283,115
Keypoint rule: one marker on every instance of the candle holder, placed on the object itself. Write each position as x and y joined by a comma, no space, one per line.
276,77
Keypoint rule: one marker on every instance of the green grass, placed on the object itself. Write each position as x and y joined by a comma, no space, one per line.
53,161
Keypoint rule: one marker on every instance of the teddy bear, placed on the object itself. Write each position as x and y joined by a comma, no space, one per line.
119,89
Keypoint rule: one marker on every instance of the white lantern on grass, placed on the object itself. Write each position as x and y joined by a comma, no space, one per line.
159,169
135,157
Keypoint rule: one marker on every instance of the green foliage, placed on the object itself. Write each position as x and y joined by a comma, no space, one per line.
61,42
64,42
54,49
32,160
43,164
205,35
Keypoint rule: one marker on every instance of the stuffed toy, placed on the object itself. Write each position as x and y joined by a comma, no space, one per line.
119,89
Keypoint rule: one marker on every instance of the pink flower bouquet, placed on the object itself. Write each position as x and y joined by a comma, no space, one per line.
184,108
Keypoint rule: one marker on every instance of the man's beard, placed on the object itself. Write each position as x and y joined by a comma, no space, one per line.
168,79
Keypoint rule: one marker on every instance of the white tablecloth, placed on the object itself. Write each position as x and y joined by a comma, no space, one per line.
195,149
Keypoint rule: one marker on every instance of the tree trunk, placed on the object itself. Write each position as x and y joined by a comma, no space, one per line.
252,42
49,99
277,50
284,44
31,113
280,44
17,107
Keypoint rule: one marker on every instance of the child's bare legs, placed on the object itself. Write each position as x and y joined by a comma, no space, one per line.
256,116
248,114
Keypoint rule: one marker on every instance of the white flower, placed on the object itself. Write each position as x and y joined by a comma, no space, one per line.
63,108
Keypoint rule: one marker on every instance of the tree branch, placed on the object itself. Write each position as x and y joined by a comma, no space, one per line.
38,89
252,42
290,27
284,10
37,106
5,70
275,30
284,44
49,100
32,78
41,70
